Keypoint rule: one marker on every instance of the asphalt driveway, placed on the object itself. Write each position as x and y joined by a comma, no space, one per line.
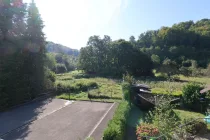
59,120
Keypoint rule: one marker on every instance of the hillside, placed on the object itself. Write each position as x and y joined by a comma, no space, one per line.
182,42
58,48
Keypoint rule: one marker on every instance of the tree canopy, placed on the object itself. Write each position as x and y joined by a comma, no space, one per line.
103,56
23,73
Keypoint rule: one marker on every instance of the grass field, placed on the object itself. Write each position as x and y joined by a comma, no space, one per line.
172,87
80,85
77,85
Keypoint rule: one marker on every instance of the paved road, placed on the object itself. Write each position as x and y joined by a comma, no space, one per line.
18,116
75,121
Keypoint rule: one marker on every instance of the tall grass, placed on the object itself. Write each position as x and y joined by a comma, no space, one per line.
84,88
75,85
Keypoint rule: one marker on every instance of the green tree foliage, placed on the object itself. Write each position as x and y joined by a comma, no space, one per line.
50,61
189,39
169,67
35,52
156,60
60,68
164,118
191,96
54,60
104,56
116,127
22,53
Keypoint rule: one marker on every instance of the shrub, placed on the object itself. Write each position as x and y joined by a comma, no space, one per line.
163,117
187,63
191,94
126,87
185,71
50,78
195,126
175,78
196,72
61,68
128,78
77,86
116,126
146,130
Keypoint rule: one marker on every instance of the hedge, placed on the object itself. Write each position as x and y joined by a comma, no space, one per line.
116,126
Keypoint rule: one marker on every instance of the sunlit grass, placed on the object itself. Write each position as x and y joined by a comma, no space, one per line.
202,80
105,89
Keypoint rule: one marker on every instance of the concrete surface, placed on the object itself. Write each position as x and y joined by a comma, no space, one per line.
18,116
72,122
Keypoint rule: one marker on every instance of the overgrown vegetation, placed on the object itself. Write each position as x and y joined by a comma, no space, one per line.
126,87
61,63
169,123
116,126
192,98
93,88
164,118
192,122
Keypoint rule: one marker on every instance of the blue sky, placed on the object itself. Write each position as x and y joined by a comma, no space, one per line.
72,22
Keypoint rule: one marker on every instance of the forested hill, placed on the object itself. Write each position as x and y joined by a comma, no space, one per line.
182,42
182,48
58,48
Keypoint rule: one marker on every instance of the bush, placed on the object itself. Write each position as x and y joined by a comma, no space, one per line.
128,78
126,87
185,71
191,95
50,78
116,126
79,85
163,117
61,68
146,130
195,126
196,72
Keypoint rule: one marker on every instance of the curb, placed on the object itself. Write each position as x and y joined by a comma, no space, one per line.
95,101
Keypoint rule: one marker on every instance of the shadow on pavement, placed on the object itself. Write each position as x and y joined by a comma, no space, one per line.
20,118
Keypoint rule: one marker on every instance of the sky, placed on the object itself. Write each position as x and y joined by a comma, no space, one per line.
72,22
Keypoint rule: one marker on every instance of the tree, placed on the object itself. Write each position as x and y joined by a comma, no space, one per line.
155,60
169,67
113,58
61,68
13,87
50,61
35,49
132,39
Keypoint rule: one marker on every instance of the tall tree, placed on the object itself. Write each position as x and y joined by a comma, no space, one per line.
35,49
132,39
12,14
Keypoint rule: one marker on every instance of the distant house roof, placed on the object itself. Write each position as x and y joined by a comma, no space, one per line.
205,89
